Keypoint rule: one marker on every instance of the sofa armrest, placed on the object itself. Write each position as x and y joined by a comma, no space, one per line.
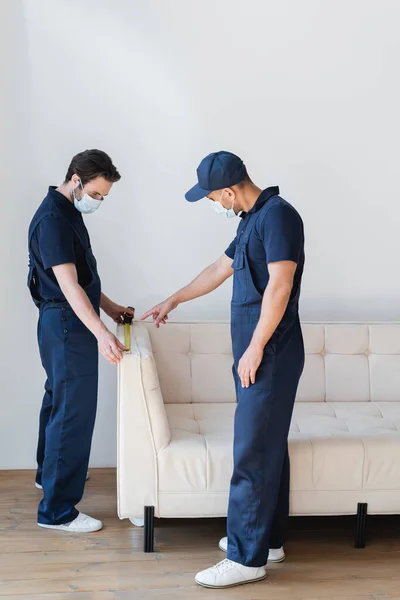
143,428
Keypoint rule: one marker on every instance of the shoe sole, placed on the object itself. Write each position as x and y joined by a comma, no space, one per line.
221,587
60,528
269,560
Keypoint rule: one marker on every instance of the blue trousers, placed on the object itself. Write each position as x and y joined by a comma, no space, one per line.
69,356
259,495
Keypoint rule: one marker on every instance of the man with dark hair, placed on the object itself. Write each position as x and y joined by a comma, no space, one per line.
65,286
266,259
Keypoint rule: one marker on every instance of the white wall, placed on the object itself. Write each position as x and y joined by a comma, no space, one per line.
306,92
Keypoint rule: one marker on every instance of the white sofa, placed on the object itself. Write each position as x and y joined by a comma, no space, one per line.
175,422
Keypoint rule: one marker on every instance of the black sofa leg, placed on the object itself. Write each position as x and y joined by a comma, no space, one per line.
361,525
149,528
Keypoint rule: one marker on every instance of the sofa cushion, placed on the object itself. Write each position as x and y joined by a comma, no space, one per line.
199,456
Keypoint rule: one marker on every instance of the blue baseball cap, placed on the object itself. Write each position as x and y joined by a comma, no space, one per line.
215,172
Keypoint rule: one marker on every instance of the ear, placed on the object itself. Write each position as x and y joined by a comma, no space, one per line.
75,179
230,193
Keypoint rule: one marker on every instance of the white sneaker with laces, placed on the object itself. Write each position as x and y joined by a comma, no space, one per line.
82,524
276,555
229,574
40,487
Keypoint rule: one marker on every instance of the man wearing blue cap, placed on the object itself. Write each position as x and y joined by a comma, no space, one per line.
266,259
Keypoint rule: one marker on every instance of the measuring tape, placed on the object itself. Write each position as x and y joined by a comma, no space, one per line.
128,318
127,336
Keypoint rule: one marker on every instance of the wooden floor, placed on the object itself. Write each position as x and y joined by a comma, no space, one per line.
110,565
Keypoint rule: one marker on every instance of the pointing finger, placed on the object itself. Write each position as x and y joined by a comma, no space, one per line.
148,314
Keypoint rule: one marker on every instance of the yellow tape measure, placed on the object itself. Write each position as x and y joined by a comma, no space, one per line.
127,336
128,318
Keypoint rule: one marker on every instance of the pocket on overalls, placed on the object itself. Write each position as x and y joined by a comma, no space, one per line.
39,329
240,275
80,346
32,283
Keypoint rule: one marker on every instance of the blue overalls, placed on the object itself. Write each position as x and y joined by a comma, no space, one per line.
259,493
69,356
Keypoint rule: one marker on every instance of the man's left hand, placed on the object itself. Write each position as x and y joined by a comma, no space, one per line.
249,364
116,311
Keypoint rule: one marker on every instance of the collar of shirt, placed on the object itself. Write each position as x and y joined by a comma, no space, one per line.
63,203
262,199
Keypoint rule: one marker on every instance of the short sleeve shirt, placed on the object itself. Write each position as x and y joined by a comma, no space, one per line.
278,235
55,242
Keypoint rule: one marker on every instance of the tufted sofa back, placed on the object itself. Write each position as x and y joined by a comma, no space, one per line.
344,362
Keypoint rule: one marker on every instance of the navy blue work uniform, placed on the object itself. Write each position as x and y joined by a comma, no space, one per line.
69,354
258,510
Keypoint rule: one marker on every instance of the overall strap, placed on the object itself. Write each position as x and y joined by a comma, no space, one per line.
250,225
76,229
45,214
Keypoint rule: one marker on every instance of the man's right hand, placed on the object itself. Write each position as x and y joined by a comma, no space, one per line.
110,346
161,311
208,280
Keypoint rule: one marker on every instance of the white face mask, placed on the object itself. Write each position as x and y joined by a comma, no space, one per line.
229,213
86,204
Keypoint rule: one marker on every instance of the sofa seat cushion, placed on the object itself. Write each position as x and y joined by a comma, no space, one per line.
333,446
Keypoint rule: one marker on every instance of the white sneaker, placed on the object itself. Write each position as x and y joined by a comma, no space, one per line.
229,574
40,487
82,524
275,555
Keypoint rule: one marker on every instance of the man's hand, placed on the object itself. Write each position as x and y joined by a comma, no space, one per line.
115,311
110,346
249,364
208,280
161,311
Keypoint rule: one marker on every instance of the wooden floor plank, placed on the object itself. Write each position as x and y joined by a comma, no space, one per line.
110,565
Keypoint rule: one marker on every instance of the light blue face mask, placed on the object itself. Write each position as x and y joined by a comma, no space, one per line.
86,204
229,213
